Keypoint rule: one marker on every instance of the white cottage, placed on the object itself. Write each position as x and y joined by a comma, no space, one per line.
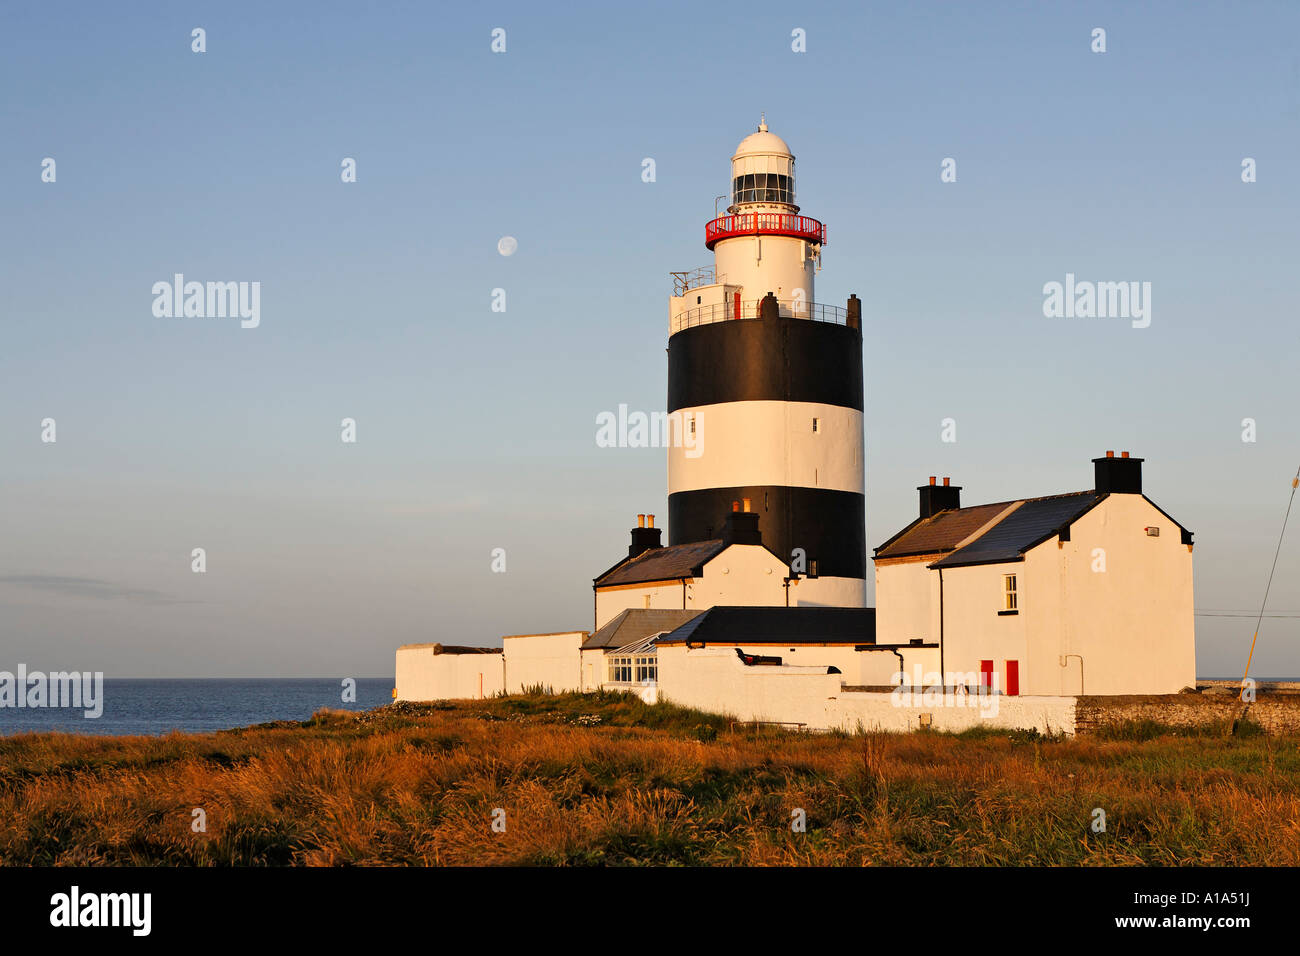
1082,593
734,569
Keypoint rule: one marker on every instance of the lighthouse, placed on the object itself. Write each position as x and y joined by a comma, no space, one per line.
767,385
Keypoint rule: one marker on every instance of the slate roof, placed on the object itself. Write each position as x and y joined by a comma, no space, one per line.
663,564
779,625
636,624
940,533
1027,527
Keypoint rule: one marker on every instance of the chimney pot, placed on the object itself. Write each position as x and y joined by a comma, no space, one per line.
1110,454
746,505
946,482
640,521
650,521
735,506
1123,454
932,479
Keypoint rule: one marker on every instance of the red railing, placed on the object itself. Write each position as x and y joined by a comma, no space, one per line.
733,310
764,224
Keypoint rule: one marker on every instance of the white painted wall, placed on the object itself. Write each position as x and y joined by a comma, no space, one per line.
842,656
879,668
744,575
715,680
974,631
1133,623
763,264
423,675
613,601
907,601
593,669
552,660
828,591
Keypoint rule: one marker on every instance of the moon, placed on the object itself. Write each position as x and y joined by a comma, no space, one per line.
507,245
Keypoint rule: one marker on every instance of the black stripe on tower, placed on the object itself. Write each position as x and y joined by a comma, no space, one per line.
830,526
771,359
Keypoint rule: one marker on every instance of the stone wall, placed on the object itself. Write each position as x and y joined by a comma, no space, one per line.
1275,713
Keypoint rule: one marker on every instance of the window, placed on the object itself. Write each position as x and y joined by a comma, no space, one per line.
647,669
763,187
647,602
692,424
817,424
620,670
639,666
1009,592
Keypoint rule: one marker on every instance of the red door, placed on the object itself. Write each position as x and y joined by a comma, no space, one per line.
986,675
1013,678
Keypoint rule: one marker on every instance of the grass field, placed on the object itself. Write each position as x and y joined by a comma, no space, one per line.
605,779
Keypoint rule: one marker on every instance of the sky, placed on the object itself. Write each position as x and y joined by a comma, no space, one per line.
475,429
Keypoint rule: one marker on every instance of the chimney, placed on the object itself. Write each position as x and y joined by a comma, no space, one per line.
853,314
769,308
936,498
741,527
643,538
1117,476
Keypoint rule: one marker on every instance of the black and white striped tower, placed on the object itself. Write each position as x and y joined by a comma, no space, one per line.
768,384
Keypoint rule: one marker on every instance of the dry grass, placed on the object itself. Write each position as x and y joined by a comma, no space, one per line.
644,785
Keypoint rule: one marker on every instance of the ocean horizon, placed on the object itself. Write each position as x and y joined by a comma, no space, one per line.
160,705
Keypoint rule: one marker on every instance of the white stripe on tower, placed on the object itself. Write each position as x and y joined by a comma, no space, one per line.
792,444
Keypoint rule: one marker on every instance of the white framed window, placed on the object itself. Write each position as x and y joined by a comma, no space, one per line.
1009,598
647,669
620,670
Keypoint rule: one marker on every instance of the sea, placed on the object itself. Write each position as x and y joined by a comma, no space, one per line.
159,706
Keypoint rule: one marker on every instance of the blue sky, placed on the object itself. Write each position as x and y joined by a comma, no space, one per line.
476,428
